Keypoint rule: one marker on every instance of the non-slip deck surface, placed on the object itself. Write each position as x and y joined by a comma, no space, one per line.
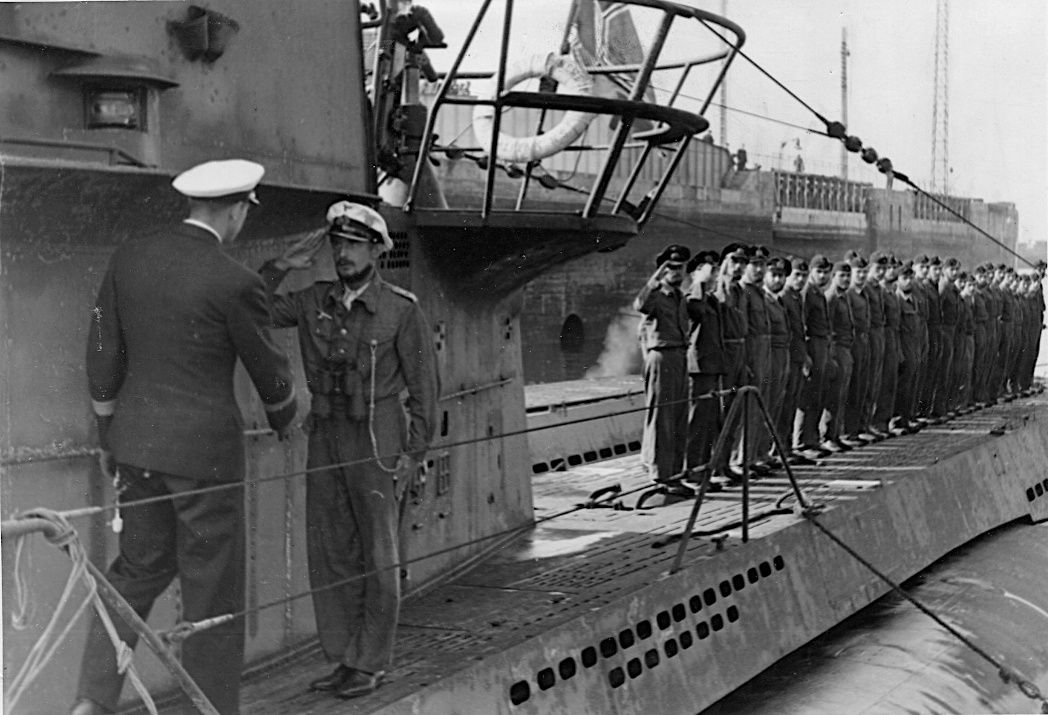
571,564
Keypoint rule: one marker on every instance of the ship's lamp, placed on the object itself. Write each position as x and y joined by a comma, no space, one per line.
124,109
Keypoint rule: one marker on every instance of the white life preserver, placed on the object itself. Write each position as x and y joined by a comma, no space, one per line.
570,76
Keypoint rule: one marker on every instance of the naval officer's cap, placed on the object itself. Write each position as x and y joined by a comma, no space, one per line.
228,180
711,257
758,254
357,222
673,253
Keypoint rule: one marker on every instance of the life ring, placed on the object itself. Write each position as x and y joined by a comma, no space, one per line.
569,75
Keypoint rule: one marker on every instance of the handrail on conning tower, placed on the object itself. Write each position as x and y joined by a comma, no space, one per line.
674,125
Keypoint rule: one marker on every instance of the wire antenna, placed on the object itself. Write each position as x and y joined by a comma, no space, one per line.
941,101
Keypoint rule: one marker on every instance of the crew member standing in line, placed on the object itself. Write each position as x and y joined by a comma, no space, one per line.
173,315
663,340
817,393
730,296
884,409
964,342
843,337
758,353
874,295
921,265
1004,349
706,364
981,318
949,317
800,363
779,366
854,420
933,364
910,344
363,341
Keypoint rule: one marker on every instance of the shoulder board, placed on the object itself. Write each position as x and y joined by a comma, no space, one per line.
402,293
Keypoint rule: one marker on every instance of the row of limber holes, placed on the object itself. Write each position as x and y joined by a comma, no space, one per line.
520,691
560,464
1037,490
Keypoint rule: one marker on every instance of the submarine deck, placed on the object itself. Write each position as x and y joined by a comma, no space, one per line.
575,564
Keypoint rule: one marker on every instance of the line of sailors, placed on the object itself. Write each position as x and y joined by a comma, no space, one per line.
843,353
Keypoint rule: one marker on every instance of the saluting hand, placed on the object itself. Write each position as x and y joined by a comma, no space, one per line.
302,253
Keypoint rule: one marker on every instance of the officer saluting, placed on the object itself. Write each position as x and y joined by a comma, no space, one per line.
363,341
173,315
663,340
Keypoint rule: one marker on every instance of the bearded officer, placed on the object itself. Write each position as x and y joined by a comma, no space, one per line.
663,340
364,341
173,315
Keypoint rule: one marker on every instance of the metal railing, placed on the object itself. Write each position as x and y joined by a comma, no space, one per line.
674,126
824,193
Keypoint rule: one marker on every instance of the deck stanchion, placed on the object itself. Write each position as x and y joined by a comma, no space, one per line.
746,467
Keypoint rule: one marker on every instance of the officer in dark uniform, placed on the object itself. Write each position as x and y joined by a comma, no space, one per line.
1004,346
816,394
706,362
173,315
843,337
933,364
730,296
949,318
664,340
993,309
364,341
920,293
964,343
910,344
855,421
800,363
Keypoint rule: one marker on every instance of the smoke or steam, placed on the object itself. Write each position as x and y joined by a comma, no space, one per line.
621,354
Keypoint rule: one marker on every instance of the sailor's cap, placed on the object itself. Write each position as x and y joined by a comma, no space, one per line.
858,262
935,261
227,179
879,258
821,263
798,265
357,222
921,260
779,265
952,262
842,267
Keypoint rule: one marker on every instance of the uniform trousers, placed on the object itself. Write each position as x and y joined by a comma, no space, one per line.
910,356
979,365
944,375
884,409
1004,353
704,419
200,539
666,416
963,359
352,529
837,391
814,395
1018,355
873,391
993,343
854,420
790,403
929,370
778,374
758,362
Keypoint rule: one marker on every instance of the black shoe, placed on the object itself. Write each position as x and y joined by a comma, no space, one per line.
360,683
759,469
799,460
842,445
338,678
733,475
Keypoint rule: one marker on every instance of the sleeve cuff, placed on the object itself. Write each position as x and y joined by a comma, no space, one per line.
103,409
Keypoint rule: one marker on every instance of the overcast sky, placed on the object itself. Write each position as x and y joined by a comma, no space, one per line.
998,70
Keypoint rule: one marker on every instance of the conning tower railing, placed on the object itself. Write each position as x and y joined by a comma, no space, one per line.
673,127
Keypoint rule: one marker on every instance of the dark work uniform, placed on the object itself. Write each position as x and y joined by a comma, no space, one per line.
730,297
778,371
356,357
793,302
933,363
964,354
843,337
663,340
949,316
854,419
706,366
909,355
980,319
173,315
884,409
1004,349
875,298
758,361
920,300
816,395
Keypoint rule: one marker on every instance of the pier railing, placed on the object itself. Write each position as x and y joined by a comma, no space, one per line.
824,193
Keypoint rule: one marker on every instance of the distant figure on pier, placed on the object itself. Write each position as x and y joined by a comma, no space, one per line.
741,157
